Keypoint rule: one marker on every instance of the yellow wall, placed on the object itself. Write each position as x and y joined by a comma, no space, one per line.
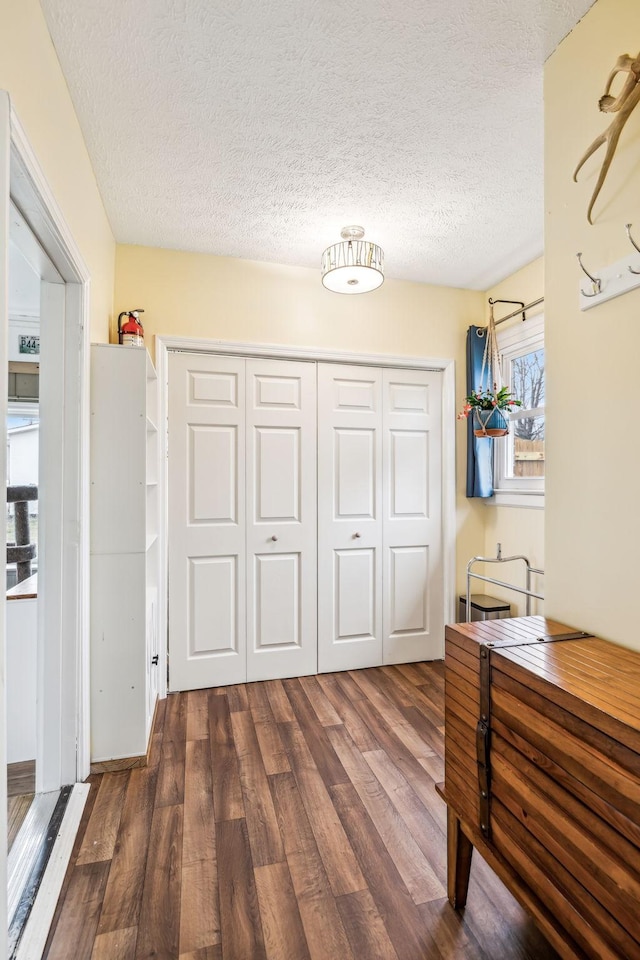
197,295
593,358
520,530
200,295
30,72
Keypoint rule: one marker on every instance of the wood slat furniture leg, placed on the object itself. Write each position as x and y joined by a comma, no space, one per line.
459,851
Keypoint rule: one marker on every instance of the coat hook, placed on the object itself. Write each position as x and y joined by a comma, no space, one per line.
633,244
596,282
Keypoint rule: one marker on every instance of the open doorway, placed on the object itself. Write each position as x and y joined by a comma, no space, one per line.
51,339
22,516
30,806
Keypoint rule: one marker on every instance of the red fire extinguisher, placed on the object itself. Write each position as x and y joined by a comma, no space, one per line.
130,331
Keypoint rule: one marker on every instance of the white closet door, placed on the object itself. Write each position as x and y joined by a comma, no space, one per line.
349,517
281,519
412,524
207,556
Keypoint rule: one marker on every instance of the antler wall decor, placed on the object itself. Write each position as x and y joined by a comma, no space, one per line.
622,106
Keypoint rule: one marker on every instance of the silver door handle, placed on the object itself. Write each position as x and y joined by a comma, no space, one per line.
356,536
274,538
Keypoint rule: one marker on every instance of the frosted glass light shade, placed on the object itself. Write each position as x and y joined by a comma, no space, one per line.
355,266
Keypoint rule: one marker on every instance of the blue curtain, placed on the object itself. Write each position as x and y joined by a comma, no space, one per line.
479,449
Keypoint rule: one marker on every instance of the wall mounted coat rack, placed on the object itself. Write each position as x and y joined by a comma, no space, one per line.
611,281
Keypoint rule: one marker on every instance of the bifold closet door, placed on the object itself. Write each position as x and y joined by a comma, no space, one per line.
242,520
207,530
349,517
413,605
380,577
281,519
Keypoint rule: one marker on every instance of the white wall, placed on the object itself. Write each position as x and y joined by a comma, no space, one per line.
22,456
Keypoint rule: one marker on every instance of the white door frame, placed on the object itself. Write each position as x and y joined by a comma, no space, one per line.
63,670
163,344
5,124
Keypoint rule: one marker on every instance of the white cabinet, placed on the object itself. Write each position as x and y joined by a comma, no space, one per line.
124,550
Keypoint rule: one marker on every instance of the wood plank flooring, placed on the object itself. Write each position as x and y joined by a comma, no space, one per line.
21,778
286,820
21,784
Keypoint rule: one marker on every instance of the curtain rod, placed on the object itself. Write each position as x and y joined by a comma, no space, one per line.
522,308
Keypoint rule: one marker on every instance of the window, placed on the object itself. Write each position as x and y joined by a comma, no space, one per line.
23,427
519,458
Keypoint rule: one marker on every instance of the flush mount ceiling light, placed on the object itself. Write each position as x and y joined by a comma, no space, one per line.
354,266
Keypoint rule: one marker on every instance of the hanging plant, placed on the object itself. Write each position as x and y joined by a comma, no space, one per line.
487,408
490,405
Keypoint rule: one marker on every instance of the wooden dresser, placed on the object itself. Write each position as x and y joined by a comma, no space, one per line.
542,776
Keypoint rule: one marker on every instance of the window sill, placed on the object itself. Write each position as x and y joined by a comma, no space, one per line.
532,499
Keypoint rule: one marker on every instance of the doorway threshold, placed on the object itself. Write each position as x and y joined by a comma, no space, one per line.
36,867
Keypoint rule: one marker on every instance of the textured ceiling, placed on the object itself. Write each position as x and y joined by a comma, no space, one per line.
259,128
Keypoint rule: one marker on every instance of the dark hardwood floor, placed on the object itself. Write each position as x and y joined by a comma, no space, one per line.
286,820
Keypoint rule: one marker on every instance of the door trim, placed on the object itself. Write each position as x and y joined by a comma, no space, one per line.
163,344
65,745
5,141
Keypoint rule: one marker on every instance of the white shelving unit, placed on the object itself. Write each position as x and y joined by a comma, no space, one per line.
125,506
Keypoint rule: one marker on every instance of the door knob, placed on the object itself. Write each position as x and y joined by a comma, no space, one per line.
274,538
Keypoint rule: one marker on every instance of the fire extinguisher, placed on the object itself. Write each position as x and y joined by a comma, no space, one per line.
130,331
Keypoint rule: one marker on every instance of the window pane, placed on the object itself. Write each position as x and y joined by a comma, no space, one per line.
22,469
527,379
528,447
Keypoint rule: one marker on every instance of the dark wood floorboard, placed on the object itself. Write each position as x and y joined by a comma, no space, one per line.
286,820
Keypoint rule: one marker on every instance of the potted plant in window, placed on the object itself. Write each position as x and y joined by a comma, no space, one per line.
490,409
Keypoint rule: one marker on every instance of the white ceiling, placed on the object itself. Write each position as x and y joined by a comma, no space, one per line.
259,128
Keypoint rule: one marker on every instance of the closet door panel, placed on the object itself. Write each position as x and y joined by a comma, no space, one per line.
281,570
408,574
207,557
349,517
412,520
408,474
277,594
355,578
213,620
355,484
278,474
213,499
